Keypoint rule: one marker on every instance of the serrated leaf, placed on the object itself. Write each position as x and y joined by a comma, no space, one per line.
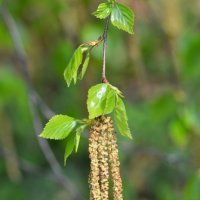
121,119
122,17
110,100
58,127
69,147
117,91
97,100
101,100
103,10
70,72
85,65
79,130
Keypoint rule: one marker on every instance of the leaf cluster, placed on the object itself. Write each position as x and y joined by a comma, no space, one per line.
80,57
61,127
102,98
122,16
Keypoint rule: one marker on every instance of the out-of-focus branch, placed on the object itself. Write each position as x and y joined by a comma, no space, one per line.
34,101
9,149
169,158
44,109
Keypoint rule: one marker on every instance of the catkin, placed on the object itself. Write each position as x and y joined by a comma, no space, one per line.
103,159
114,163
94,164
103,153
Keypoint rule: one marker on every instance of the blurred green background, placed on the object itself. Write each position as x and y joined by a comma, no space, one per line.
158,69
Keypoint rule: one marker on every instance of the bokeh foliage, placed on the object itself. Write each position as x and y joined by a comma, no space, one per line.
158,69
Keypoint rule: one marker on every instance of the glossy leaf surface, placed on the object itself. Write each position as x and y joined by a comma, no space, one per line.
101,100
58,127
85,65
79,130
103,10
122,17
110,100
69,147
121,119
70,72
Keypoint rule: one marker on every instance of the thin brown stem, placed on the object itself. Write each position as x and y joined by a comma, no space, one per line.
104,80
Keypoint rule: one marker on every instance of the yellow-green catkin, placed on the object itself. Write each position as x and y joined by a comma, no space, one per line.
94,164
114,163
103,153
103,159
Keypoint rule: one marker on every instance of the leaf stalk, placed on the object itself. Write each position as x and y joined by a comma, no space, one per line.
104,79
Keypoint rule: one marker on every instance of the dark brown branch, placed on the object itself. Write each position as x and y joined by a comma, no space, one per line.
34,101
104,80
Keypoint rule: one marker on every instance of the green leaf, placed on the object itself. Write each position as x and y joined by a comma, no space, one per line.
69,147
121,119
122,17
192,191
103,10
85,65
58,127
70,72
101,100
110,100
117,91
79,130
178,133
97,100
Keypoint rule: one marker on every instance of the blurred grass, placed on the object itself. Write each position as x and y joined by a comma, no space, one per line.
158,70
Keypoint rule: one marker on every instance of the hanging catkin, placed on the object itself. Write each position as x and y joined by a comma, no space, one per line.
94,164
114,162
103,159
103,152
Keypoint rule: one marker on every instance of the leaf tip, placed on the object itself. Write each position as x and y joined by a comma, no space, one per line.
94,13
66,79
65,159
131,32
130,137
65,162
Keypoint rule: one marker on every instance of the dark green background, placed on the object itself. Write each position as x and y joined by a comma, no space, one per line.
158,69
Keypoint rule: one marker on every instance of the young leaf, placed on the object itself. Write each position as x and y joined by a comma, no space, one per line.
77,59
122,17
69,147
116,90
72,68
97,100
85,65
121,119
79,130
103,10
58,127
101,100
110,100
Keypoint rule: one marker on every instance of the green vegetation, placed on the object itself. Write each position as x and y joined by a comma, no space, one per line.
157,69
102,99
